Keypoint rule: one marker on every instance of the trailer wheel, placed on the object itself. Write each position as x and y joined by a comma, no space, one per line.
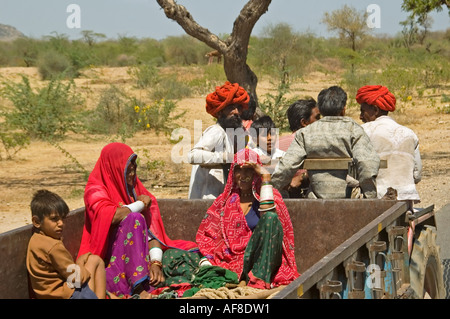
426,275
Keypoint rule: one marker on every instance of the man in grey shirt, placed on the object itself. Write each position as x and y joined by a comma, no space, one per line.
333,136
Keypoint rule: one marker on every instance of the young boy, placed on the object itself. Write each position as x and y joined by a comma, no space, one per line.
52,271
262,141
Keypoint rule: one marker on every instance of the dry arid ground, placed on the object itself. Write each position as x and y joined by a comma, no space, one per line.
41,165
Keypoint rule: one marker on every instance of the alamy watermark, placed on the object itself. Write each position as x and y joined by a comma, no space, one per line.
374,16
238,139
74,279
73,21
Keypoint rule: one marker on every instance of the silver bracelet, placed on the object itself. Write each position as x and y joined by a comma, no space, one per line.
266,209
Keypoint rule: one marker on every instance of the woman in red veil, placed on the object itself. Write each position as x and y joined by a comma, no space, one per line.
248,229
122,221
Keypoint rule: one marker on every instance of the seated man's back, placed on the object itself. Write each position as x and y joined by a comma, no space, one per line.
333,136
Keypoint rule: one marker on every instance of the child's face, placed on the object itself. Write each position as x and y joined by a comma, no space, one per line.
265,142
51,225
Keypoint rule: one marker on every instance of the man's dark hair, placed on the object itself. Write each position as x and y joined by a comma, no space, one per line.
264,122
332,101
301,109
44,203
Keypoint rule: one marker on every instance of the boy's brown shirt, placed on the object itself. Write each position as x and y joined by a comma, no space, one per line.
47,263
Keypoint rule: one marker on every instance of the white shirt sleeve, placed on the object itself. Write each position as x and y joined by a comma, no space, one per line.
211,148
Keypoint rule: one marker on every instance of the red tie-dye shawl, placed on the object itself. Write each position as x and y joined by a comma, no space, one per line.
223,234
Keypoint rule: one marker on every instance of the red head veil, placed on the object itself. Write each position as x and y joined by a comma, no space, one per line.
223,234
105,191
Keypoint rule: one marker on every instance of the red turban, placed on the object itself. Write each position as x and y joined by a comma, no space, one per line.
227,94
376,95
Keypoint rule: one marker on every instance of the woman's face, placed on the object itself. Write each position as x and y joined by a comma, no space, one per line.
243,177
131,173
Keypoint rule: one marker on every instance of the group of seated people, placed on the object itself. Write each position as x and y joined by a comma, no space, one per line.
124,234
246,236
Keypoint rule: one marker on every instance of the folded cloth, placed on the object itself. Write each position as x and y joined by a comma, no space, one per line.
376,95
227,94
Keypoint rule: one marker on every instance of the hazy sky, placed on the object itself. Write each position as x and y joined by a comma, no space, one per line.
144,18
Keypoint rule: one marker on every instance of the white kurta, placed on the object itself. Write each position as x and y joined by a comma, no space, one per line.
398,145
207,156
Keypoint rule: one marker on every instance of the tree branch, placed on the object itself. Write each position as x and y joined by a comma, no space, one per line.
179,14
244,23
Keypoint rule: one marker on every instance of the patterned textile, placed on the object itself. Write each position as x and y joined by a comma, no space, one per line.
264,252
330,137
224,235
179,266
129,260
398,145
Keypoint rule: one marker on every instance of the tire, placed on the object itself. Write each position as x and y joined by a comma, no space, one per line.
426,275
446,271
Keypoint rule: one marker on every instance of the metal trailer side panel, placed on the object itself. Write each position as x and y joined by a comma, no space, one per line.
310,278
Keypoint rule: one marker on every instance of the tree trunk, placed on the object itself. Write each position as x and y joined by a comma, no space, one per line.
235,48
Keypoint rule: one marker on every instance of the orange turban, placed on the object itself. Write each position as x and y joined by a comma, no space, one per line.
376,95
227,94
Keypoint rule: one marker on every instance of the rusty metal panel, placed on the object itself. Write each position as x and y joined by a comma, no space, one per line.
332,259
13,251
322,225
73,230
182,217
13,271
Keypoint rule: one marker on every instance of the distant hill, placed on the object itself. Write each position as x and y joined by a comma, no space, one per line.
8,33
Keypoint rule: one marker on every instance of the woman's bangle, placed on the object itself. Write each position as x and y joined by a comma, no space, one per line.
156,262
204,262
266,193
267,209
156,254
136,207
266,203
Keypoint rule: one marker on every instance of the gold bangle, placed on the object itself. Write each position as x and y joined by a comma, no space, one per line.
157,262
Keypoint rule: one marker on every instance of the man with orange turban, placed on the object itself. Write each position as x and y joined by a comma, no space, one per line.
213,153
393,142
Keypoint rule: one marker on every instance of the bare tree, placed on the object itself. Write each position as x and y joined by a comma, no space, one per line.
348,22
235,48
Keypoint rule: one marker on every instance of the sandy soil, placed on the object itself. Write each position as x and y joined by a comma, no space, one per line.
41,165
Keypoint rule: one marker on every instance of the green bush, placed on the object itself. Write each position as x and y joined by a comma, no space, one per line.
158,116
11,142
170,88
114,113
145,75
52,65
47,113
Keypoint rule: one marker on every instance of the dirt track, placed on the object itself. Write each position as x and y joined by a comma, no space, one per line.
41,165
